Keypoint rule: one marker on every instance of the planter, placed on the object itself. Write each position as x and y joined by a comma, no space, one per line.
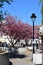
4,48
37,58
4,57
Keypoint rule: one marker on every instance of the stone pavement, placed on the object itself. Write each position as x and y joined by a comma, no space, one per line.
21,62
26,60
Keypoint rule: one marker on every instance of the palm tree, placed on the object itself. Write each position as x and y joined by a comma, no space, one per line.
41,1
7,1
1,6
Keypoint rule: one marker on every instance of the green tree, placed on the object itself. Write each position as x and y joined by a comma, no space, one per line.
41,1
1,6
7,1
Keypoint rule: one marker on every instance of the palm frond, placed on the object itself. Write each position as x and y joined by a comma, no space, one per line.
8,1
41,1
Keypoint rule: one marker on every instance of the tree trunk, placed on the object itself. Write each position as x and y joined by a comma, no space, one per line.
12,44
42,13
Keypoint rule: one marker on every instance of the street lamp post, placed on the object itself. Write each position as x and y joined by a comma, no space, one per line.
33,17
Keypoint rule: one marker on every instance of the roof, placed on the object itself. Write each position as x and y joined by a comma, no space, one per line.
38,26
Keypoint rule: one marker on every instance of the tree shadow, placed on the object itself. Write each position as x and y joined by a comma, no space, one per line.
21,56
10,63
15,54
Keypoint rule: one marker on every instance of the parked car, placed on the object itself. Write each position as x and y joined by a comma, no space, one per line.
31,42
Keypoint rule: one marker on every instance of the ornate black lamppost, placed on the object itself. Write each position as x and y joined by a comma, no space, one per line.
33,17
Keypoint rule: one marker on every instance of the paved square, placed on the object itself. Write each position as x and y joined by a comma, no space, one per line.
23,61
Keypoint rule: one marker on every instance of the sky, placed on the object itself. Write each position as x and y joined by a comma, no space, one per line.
23,10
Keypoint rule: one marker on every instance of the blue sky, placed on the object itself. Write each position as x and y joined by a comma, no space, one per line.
23,10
